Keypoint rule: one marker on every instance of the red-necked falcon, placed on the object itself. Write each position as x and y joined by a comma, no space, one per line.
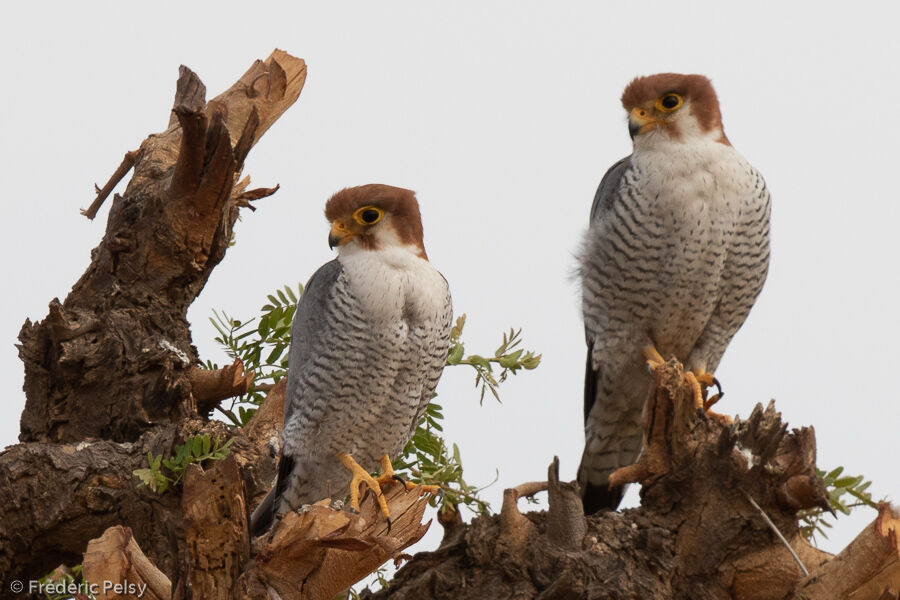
675,255
368,345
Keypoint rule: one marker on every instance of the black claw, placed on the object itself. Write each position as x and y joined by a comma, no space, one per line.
388,519
719,391
398,478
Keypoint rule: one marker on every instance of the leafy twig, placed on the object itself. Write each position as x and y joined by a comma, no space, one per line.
506,356
195,449
813,520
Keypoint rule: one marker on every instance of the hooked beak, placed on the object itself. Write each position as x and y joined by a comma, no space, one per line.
339,234
640,122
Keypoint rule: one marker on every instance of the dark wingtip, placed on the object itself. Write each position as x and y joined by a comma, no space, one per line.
601,497
262,517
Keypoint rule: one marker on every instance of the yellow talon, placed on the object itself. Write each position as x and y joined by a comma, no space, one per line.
388,477
695,387
359,476
705,377
654,358
694,379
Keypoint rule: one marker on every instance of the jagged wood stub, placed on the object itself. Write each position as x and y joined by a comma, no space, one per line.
311,555
115,357
695,534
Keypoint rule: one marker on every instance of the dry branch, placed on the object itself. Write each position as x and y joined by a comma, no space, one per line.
211,387
122,170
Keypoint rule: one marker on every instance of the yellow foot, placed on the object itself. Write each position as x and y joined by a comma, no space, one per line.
360,475
654,358
694,379
388,477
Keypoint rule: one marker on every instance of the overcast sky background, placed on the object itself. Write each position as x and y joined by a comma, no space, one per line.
503,116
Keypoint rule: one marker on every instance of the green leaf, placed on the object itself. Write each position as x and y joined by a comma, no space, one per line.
146,477
511,360
455,355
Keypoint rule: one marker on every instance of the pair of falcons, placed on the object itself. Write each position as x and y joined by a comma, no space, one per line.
675,255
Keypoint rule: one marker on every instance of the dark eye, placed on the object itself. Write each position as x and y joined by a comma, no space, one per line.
368,215
670,101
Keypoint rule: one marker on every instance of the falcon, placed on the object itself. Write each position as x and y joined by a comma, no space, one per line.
368,344
675,255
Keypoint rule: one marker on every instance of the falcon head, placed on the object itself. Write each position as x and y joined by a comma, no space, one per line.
375,217
675,106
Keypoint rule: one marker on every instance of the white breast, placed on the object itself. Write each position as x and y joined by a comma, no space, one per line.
395,283
695,174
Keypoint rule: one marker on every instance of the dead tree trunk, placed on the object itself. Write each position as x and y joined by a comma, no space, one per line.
111,374
115,358
697,534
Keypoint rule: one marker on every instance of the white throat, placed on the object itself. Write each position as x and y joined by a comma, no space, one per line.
394,282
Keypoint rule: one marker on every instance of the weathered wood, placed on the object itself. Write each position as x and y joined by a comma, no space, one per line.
115,567
115,358
866,569
215,523
56,497
319,552
695,534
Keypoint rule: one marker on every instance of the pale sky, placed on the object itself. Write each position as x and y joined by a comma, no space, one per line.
503,116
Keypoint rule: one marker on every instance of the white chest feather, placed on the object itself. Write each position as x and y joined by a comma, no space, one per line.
395,283
696,176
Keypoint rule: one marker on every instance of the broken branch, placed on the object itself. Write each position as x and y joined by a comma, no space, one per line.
122,170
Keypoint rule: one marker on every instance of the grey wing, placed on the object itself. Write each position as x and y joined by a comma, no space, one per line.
603,202
310,325
609,185
614,386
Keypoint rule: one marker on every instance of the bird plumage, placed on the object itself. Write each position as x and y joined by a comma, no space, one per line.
675,255
368,345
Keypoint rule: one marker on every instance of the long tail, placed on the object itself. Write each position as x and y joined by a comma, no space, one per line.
262,517
613,432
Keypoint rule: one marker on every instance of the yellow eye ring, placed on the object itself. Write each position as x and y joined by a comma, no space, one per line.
669,102
368,215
